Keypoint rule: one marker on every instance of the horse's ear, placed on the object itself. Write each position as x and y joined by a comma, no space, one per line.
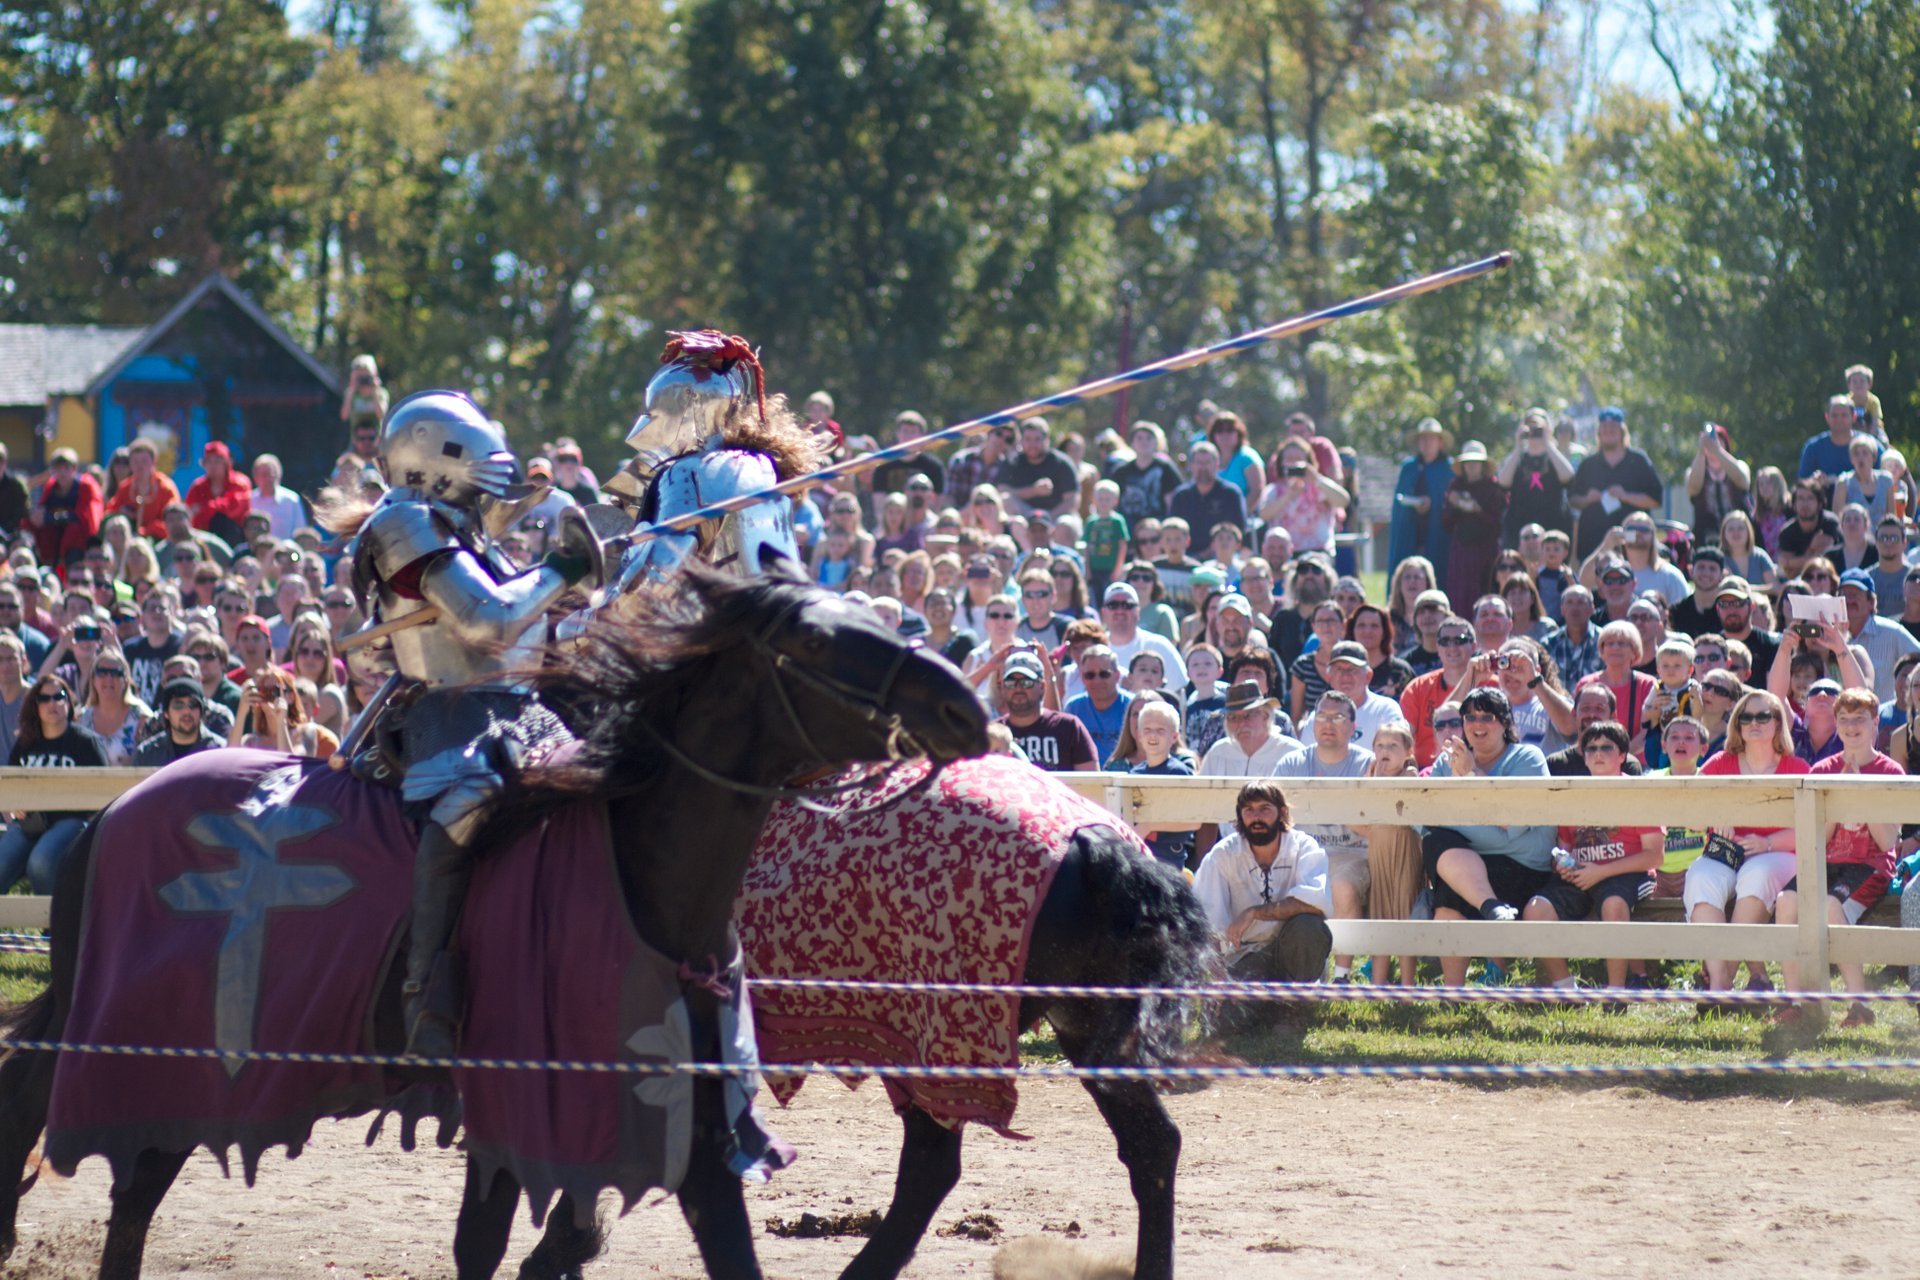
775,563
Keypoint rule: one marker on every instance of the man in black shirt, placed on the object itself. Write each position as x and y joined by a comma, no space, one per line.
1593,704
892,477
158,641
1612,483
1736,623
1811,533
182,704
1039,477
1206,500
1699,614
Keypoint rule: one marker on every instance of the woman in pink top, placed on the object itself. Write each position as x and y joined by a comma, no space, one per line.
1757,744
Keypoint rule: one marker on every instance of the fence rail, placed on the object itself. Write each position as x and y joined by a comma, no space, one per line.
1806,804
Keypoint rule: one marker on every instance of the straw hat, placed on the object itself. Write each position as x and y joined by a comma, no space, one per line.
1430,426
1471,451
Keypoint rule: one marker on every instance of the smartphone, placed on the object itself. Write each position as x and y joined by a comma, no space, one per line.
1806,630
1296,469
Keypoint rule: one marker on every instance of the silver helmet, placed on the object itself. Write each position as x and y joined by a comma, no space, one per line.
705,374
442,444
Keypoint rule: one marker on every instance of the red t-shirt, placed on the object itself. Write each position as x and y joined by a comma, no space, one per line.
1852,841
1629,701
1727,765
1591,845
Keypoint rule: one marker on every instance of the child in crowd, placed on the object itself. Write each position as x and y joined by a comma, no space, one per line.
1553,576
1157,732
1206,701
1676,694
1393,852
1684,743
833,559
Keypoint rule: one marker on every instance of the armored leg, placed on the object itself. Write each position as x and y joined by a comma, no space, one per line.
435,1001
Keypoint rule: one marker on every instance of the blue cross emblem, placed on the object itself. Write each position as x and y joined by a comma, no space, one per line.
256,884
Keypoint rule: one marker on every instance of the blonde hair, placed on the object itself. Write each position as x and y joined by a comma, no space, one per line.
1623,630
1736,741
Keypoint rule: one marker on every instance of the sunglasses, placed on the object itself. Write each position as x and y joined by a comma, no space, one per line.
52,697
233,608
1449,722
1333,713
1755,717
1603,748
111,673
1036,595
1124,606
993,616
311,652
1455,641
1097,675
1479,717
1017,682
1721,691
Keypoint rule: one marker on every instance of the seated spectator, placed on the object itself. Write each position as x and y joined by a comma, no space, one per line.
183,704
1622,650
1252,745
1859,854
1157,729
1529,611
1865,485
1413,578
1811,533
1696,615
1393,852
1591,705
1684,742
1675,693
1426,693
1349,672
1542,711
1575,648
37,843
1610,868
1120,614
1205,699
1053,740
1480,872
1333,754
1636,541
221,498
1745,558
1422,654
1757,745
1264,889
112,710
1103,707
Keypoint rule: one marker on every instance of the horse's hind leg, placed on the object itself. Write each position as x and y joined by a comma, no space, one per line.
566,1246
1150,1148
486,1220
929,1166
26,1086
133,1210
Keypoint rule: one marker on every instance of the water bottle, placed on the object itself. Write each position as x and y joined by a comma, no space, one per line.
1564,861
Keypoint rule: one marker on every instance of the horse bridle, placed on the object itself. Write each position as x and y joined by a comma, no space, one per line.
869,706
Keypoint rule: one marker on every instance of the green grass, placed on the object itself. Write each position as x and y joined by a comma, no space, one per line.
1584,1035
22,976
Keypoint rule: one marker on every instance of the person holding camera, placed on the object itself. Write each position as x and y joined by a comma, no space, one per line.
1718,482
72,658
1635,540
1535,475
365,404
1304,501
272,718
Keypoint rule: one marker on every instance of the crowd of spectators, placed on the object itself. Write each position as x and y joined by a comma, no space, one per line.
1172,603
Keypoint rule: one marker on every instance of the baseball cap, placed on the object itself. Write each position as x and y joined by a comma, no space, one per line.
1349,651
1613,411
1122,592
1857,578
567,451
1023,663
1616,570
539,467
217,449
1238,603
1733,585
255,621
1207,576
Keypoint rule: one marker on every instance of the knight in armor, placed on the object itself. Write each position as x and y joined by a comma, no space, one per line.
470,720
708,433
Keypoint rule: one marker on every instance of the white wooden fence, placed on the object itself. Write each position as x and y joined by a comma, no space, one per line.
1806,804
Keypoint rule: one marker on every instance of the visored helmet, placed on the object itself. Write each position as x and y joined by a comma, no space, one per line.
705,374
442,444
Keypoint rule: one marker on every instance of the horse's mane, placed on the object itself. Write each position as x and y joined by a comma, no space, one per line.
793,447
341,512
625,678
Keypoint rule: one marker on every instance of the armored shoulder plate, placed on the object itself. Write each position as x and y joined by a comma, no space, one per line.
396,536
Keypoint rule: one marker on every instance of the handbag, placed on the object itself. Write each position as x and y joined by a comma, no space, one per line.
1725,850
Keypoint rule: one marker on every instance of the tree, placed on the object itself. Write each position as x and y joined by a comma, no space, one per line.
889,200
1455,184
1776,247
138,156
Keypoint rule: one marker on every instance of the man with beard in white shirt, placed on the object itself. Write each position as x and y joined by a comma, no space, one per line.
1264,890
1251,747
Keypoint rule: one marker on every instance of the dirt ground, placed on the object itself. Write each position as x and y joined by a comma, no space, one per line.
1331,1178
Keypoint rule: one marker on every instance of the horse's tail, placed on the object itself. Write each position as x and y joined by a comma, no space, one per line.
1158,936
28,1020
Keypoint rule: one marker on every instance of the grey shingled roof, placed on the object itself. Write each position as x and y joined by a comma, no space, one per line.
41,360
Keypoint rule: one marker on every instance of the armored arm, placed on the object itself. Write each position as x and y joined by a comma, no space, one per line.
736,541
480,611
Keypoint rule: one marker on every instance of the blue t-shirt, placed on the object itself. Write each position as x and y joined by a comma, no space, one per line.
1528,846
1170,847
1104,726
1822,454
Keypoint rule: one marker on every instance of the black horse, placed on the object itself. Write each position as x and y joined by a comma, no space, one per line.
711,703
1111,916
